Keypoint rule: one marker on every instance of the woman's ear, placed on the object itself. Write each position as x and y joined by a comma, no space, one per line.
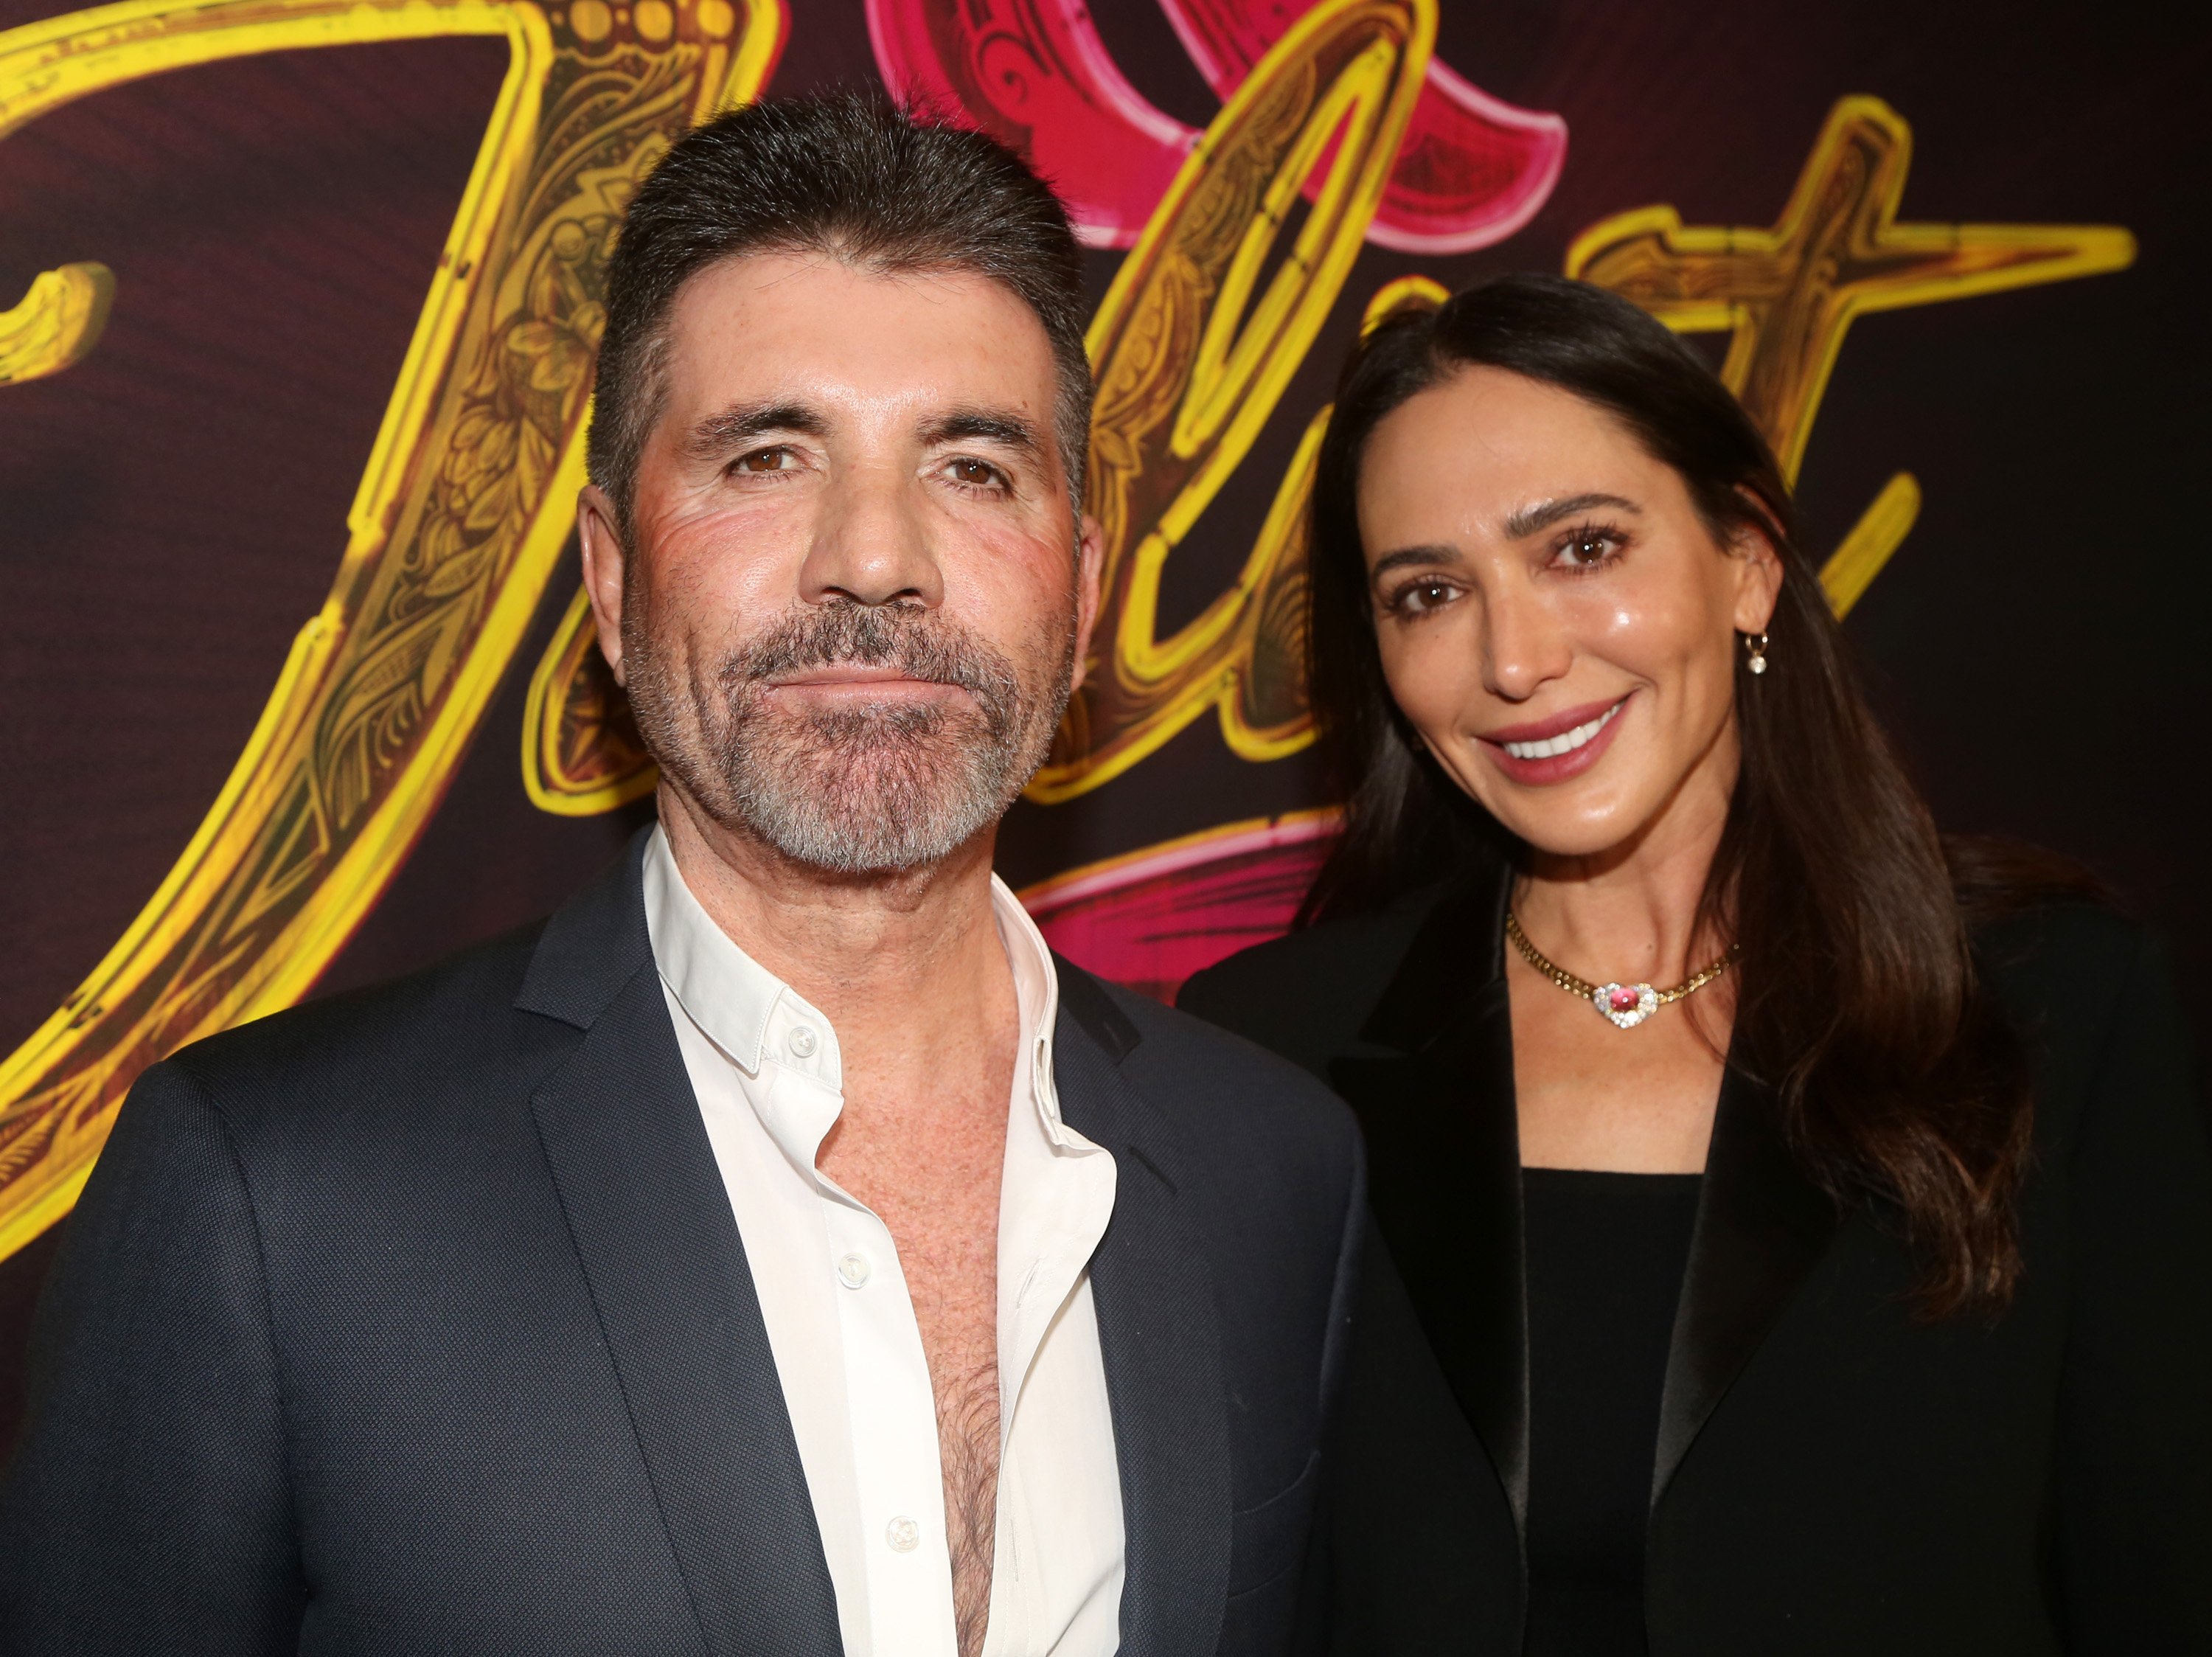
1758,579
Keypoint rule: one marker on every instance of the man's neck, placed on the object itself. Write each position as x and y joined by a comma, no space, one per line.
900,964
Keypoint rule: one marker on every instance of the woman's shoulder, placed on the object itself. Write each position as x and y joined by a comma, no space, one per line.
1305,994
2063,964
2037,921
2090,992
2056,951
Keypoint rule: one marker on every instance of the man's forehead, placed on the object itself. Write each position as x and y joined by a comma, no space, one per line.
852,344
821,303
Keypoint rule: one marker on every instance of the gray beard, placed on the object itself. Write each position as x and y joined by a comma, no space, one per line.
871,789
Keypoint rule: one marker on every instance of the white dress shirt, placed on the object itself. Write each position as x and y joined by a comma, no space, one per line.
765,1068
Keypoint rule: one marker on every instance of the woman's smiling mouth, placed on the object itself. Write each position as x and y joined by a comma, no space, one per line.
1555,749
1567,741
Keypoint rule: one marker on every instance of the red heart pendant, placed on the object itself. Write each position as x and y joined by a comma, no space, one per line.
1626,1004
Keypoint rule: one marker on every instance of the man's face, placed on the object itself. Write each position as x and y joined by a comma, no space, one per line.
854,597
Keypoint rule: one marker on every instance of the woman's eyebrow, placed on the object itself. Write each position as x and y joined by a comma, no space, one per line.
1406,554
1527,520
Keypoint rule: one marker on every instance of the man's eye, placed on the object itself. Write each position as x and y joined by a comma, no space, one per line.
976,474
762,460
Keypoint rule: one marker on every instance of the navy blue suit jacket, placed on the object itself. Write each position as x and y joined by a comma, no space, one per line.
417,1320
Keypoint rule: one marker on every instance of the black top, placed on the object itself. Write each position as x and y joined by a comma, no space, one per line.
1832,1475
1606,1253
416,1321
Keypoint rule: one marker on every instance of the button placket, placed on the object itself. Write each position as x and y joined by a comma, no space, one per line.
894,1430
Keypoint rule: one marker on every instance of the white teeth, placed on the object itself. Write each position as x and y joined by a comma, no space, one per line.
1567,741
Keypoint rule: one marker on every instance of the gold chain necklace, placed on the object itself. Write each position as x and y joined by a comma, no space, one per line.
1626,1004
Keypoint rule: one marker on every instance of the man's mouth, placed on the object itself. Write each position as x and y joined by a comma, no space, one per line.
841,673
861,677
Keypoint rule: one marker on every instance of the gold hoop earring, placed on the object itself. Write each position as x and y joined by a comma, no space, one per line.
1754,652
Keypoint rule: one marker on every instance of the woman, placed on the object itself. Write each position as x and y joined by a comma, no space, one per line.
1802,1228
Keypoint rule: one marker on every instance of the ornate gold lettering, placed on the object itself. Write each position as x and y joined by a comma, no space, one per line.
460,516
1192,358
57,324
581,751
1860,555
1788,295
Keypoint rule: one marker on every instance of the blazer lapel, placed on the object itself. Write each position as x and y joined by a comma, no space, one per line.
652,1225
1159,1332
1444,1180
1761,1223
1444,1163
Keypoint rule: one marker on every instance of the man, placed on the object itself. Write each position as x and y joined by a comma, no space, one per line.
779,1251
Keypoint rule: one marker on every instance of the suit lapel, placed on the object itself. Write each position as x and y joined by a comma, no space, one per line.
1444,1163
1159,1332
1761,1224
652,1225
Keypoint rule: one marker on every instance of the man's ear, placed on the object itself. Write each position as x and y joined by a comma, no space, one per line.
600,544
1089,565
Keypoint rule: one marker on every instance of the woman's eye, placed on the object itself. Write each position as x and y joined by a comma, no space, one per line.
1586,549
1423,595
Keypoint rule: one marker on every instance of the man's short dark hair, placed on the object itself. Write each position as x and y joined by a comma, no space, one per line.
858,179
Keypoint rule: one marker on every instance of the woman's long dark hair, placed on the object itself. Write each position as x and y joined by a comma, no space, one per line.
1856,998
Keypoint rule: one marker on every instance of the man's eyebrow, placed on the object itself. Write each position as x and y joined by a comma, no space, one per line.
983,425
1530,518
717,434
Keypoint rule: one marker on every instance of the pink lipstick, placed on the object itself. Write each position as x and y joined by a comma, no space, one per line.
1552,750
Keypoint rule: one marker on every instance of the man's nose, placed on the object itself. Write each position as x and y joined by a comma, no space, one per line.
870,545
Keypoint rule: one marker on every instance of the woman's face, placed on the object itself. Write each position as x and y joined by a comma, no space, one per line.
1555,618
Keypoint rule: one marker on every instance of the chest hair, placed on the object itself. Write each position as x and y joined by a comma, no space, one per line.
937,1194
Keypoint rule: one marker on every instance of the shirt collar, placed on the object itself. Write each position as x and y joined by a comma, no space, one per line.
737,1003
728,995
1036,988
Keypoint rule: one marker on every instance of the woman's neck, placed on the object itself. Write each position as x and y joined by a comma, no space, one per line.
1630,912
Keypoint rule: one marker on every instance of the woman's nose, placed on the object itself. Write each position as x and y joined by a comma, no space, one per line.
1524,645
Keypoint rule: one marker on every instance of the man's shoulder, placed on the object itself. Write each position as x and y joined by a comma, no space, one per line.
407,1039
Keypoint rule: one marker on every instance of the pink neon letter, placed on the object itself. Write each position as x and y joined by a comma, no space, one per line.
1034,74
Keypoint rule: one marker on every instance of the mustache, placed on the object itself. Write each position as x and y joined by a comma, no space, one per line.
911,641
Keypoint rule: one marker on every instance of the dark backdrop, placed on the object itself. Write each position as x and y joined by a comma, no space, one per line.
171,509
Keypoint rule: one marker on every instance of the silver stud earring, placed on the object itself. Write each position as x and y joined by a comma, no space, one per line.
1754,651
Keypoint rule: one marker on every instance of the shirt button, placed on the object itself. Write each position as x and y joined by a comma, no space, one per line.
852,1270
903,1534
802,1042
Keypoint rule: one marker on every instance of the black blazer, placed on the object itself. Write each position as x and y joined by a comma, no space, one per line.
417,1320
1832,1476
